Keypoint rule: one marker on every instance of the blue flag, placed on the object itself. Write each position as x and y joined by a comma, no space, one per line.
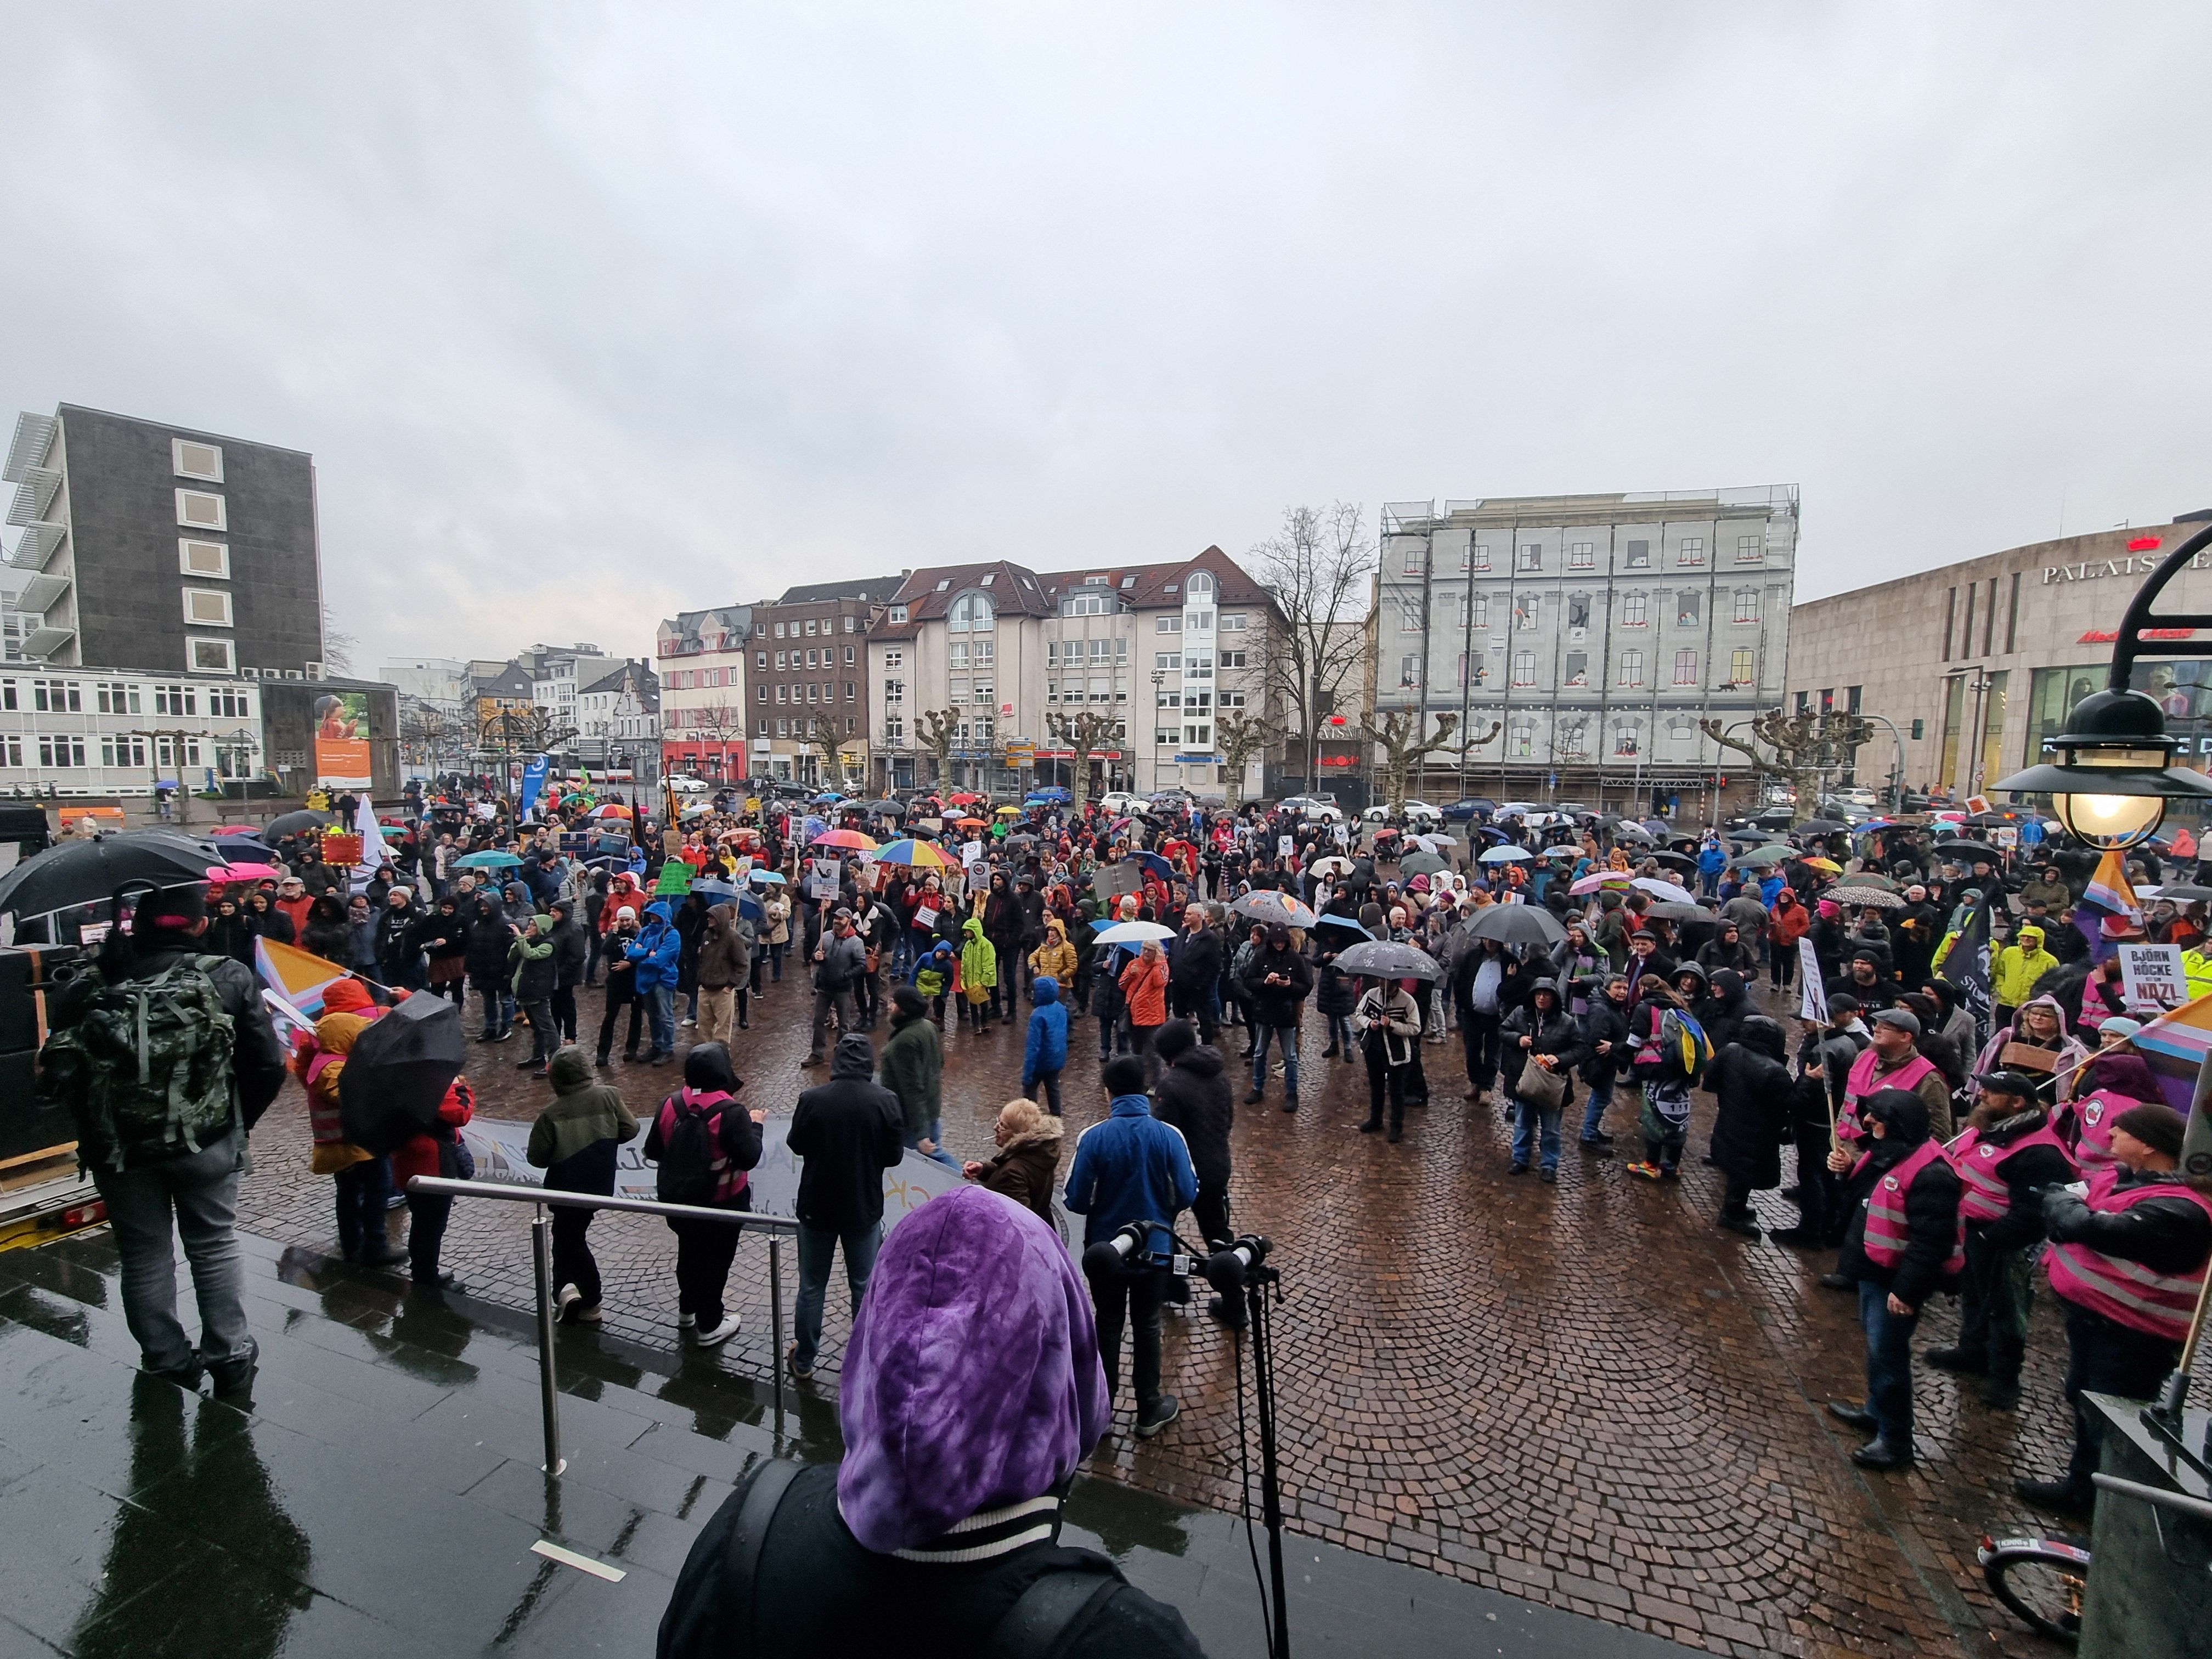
533,780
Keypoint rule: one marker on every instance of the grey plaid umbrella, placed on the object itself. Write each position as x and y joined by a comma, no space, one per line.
1383,958
1865,898
1421,864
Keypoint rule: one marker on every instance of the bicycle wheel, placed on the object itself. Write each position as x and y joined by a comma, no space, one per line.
2042,1580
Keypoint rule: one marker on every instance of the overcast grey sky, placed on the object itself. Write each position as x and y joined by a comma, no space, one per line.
592,313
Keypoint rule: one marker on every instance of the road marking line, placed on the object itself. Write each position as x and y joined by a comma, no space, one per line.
581,1563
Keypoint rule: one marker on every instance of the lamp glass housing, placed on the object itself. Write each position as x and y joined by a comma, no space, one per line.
2111,823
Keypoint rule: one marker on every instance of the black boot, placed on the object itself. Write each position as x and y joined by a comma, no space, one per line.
1371,1126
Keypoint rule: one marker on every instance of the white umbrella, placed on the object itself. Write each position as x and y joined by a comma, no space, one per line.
1507,855
1130,932
1665,889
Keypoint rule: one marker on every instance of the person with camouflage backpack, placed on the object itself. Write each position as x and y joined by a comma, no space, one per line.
166,1059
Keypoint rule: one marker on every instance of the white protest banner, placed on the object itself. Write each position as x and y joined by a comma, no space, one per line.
1812,1001
1285,846
2151,977
823,878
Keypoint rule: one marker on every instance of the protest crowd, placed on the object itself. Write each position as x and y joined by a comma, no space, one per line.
1982,1098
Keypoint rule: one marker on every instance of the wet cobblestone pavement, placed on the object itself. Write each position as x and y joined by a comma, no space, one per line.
1586,1395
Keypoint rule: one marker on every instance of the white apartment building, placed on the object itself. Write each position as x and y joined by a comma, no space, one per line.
618,723
124,734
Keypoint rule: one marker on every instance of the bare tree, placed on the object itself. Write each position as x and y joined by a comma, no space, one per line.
425,732
831,743
1239,736
1082,732
719,723
937,729
1405,741
338,645
1800,747
1320,567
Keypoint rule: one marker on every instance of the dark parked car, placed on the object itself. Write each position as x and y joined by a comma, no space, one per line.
1469,807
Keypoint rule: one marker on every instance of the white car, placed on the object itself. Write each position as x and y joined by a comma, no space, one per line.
1865,797
685,784
1314,810
1121,805
1416,812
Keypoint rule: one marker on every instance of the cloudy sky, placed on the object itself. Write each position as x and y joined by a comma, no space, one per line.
591,312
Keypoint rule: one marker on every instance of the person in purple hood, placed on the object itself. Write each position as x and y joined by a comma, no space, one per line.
972,1391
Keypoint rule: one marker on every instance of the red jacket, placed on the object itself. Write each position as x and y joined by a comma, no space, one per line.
1144,984
419,1157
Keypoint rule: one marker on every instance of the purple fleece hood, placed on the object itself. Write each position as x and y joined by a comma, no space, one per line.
972,1380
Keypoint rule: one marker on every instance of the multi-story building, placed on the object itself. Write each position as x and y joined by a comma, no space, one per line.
1596,633
1001,649
557,674
1966,669
808,680
164,549
701,654
618,725
120,734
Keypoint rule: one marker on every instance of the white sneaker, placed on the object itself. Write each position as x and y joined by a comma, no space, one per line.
686,1327
588,1314
568,1299
721,1333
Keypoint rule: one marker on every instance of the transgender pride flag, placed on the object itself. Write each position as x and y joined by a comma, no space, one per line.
298,976
2109,911
2175,1046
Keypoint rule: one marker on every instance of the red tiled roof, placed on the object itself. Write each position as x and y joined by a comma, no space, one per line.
1016,589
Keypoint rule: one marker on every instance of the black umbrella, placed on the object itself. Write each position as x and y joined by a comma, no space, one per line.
2184,892
1669,910
1972,849
893,808
397,1072
294,823
89,871
1748,836
1820,827
1681,859
1517,924
1383,958
1626,831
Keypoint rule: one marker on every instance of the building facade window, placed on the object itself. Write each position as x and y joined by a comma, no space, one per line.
1409,671
1578,669
191,458
61,751
1692,555
1625,741
1750,550
1746,605
1528,611
1631,611
1686,668
207,607
1521,739
1686,606
209,560
1481,556
1640,556
1632,669
1524,668
1531,558
1582,555
970,613
1742,670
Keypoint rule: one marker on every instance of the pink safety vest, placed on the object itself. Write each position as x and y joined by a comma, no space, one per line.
1860,1083
2127,1293
2092,1122
1983,1193
1886,1233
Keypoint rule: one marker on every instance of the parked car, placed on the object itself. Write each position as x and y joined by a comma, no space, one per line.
1468,808
1120,803
1414,811
685,784
1311,808
1859,797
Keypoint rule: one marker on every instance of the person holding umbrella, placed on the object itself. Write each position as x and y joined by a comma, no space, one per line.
1388,1024
1541,1046
1278,982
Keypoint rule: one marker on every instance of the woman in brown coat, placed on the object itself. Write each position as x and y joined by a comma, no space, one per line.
1028,1157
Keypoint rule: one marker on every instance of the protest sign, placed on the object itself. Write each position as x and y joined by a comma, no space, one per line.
1812,1001
2151,977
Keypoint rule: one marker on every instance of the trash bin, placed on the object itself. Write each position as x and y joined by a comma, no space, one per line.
2150,1584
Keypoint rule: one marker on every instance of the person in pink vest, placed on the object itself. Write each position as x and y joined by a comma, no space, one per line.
1890,1061
1901,1247
2128,1254
2008,1155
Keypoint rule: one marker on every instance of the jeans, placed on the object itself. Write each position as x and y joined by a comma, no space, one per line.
498,1008
427,1215
1287,1036
849,1018
817,1248
1889,1365
572,1262
1050,1083
775,962
913,1144
703,1253
198,1196
660,1011
1601,1102
564,1015
545,1030
1339,1035
1994,1293
1528,1119
363,1189
1131,1298
2105,1357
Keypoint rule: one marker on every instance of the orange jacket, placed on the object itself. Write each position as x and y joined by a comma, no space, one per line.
1144,984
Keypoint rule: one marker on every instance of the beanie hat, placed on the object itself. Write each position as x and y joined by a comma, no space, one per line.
2119,1027
2155,1125
347,996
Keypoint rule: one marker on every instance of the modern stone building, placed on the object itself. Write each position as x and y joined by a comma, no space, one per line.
808,680
164,548
1595,632
1973,664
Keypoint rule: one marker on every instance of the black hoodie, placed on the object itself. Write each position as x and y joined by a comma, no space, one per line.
1192,1093
848,1131
1931,1208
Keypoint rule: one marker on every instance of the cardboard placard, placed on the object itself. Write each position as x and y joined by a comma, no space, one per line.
2026,1057
2151,977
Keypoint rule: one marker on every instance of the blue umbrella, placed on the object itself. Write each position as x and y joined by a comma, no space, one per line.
750,907
489,861
1349,923
765,875
1154,863
712,889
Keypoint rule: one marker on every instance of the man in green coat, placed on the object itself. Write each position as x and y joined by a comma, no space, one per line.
912,1067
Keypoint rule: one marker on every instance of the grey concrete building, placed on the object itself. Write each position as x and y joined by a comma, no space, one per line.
164,548
1597,632
1974,664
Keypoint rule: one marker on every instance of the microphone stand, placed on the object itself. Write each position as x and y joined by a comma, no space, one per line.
1257,1279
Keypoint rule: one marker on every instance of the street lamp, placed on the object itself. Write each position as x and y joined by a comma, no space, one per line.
1159,682
2112,780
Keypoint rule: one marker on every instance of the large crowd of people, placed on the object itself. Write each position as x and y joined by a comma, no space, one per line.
1934,1153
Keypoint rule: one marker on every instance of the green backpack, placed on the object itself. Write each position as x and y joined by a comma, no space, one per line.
143,1065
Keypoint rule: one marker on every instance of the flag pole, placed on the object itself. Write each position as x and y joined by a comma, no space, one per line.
2195,1159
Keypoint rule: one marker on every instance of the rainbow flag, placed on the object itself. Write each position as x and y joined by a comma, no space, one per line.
2109,911
2175,1045
298,976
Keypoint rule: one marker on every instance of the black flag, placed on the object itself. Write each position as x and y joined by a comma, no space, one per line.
1966,965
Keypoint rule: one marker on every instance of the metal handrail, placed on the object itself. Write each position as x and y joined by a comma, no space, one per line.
541,1254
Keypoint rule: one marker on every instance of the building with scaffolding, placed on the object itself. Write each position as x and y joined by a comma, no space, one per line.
1584,641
